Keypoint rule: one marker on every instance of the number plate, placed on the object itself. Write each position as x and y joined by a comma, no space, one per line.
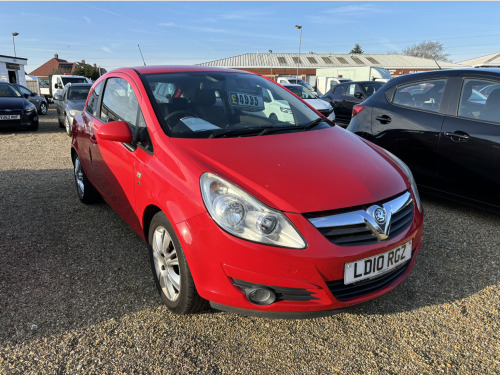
241,99
10,117
377,265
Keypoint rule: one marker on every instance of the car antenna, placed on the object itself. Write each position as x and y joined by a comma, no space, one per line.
141,54
434,61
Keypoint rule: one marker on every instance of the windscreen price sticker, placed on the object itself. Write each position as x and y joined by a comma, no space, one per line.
246,100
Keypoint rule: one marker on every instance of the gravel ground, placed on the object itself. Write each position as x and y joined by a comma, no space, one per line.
77,294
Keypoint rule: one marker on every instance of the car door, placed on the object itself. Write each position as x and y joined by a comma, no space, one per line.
350,98
408,125
114,163
337,98
469,146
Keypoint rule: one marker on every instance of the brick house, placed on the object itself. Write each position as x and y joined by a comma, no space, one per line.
55,63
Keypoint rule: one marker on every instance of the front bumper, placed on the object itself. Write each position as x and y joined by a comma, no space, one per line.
220,263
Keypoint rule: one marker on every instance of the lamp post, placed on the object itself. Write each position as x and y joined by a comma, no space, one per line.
14,43
300,42
271,61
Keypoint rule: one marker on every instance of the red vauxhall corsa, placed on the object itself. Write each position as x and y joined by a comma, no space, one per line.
247,197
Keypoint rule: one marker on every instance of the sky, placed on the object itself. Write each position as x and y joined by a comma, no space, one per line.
171,32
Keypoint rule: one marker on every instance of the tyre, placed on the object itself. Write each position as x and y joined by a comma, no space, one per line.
43,108
170,269
68,126
86,192
272,116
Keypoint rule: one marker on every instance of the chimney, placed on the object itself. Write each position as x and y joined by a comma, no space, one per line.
56,56
95,66
83,62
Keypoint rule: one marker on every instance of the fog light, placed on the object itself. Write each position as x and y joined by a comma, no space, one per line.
261,296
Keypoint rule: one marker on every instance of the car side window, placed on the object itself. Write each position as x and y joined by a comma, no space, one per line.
351,89
92,105
480,100
425,95
24,90
119,103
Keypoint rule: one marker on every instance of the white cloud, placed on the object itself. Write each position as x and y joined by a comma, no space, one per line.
107,49
87,19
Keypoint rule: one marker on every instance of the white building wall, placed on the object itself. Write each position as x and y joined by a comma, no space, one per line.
13,64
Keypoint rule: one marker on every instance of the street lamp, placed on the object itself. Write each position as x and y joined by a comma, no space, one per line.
14,35
300,42
271,61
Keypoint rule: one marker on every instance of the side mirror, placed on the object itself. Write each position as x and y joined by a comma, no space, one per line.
115,131
358,95
26,96
58,97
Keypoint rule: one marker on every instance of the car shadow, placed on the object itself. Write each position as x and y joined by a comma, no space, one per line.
65,265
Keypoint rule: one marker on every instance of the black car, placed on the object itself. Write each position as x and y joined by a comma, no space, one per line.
344,96
39,101
15,109
445,125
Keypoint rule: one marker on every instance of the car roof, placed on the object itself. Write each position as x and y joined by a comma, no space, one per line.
448,73
155,69
291,85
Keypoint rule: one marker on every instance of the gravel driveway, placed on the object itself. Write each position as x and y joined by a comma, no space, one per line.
77,294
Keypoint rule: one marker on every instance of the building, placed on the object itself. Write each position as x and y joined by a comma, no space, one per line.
12,69
282,64
54,64
490,61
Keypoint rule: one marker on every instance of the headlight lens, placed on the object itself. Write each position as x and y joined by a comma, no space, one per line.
74,112
410,176
286,110
29,107
240,214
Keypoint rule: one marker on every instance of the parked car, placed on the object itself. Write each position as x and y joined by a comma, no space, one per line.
39,102
69,103
254,215
344,96
15,109
438,124
320,105
295,81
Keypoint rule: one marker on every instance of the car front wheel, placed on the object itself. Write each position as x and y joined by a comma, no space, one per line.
43,108
170,269
67,125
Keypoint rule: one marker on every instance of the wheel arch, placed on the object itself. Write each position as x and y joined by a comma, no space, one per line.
147,217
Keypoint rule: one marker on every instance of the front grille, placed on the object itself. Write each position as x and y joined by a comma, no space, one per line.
346,292
356,228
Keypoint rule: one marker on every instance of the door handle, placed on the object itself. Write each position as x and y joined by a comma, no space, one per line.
384,119
458,136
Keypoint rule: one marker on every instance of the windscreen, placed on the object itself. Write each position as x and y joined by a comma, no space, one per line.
78,92
207,104
67,80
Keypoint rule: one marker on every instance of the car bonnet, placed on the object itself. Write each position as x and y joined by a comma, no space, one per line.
301,172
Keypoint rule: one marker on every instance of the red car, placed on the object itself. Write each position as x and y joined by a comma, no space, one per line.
254,214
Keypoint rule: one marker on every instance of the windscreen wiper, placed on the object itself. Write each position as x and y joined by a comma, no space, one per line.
236,132
306,127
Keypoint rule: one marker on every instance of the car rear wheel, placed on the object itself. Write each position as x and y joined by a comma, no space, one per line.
86,192
43,108
170,269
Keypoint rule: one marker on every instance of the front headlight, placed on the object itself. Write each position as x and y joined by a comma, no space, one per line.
286,110
410,176
29,107
74,112
243,216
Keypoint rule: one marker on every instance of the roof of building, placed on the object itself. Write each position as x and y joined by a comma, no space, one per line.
327,60
492,60
54,63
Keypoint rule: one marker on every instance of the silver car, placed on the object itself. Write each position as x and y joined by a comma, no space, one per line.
70,102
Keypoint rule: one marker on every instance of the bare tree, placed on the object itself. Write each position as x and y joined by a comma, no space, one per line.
428,50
